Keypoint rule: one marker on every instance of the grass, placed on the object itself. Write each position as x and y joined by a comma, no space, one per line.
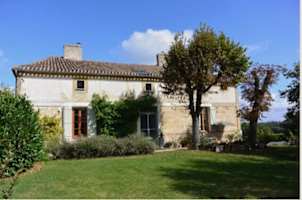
179,174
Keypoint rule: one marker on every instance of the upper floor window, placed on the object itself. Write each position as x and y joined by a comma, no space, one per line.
80,85
148,87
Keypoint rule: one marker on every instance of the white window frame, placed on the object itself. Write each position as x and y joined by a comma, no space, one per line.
148,130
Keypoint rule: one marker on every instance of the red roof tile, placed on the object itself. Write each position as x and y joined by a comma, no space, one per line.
60,65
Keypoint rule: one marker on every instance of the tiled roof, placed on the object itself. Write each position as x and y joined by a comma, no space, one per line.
60,65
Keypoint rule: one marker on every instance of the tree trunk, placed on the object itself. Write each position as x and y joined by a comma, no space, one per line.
195,131
252,133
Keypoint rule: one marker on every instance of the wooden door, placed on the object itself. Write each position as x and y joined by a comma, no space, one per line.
79,122
205,119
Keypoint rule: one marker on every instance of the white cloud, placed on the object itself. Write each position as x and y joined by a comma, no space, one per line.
143,46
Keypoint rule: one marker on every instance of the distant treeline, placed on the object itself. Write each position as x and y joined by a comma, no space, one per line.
268,131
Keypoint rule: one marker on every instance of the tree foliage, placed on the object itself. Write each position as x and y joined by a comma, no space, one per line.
194,66
255,91
292,94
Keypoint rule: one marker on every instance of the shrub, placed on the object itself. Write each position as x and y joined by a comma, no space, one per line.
187,140
207,142
172,144
20,133
234,137
51,129
134,145
102,146
265,134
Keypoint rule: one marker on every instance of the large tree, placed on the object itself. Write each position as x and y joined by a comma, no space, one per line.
255,91
292,94
192,67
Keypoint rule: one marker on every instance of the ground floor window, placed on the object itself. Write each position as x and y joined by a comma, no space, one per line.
79,122
148,122
205,123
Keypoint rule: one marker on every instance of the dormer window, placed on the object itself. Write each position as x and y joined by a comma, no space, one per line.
148,87
80,85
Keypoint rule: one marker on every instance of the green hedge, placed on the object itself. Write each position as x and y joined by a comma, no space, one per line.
21,141
102,146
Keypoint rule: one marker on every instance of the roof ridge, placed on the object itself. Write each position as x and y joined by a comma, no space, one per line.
94,61
59,64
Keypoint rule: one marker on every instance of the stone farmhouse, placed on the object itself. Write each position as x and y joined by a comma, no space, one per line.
63,87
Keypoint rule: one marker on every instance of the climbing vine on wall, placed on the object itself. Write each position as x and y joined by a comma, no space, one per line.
119,118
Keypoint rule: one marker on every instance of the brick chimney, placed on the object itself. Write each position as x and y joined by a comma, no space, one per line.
160,59
73,51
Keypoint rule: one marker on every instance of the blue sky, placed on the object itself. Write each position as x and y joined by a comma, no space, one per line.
133,31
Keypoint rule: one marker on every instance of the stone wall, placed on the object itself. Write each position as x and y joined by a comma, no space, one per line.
50,111
176,122
227,121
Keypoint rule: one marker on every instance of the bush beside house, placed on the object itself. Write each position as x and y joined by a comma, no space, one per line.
21,141
52,130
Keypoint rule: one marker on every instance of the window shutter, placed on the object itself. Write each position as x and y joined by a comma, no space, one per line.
213,115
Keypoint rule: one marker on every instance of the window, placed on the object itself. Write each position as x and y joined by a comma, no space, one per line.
148,87
80,85
205,119
148,124
79,122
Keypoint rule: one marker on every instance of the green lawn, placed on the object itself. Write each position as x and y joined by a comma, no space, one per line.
179,174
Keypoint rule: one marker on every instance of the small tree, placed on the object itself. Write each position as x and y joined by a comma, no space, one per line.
255,90
193,67
292,94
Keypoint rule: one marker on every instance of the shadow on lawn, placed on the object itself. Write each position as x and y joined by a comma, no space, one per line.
238,178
